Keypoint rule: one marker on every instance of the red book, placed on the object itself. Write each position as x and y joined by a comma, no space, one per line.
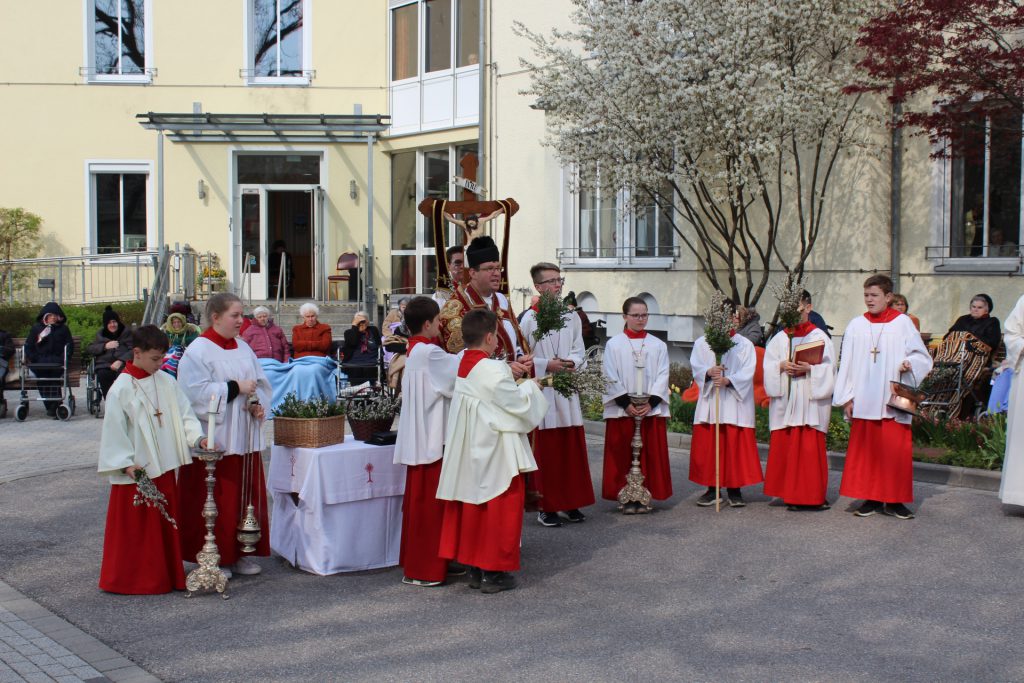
811,353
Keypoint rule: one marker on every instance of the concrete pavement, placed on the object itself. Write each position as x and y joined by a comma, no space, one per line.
754,594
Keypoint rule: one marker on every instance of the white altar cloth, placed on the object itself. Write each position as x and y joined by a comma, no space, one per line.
348,514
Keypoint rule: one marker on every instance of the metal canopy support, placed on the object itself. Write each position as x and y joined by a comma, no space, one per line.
371,293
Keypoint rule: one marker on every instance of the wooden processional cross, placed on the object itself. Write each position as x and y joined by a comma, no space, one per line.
475,212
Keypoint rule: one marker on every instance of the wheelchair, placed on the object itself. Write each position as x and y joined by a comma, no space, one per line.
60,385
93,393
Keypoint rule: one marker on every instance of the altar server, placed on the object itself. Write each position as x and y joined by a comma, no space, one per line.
486,451
150,426
879,347
559,444
427,386
799,414
739,462
219,373
1011,486
636,362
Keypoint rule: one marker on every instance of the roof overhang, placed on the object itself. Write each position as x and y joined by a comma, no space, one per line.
266,128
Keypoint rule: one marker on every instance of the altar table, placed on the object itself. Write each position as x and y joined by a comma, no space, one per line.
336,508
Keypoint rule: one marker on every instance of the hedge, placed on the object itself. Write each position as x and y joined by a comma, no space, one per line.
84,320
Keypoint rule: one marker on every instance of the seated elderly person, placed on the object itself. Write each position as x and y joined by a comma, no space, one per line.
361,349
111,349
965,352
312,337
980,323
266,339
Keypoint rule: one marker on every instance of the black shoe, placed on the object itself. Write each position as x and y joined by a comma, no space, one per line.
457,569
736,499
897,510
475,576
708,499
575,516
495,582
549,519
794,508
869,508
825,506
420,582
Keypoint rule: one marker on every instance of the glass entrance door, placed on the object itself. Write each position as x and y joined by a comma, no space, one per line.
279,233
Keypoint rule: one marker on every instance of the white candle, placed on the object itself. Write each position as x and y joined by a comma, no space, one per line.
639,386
212,422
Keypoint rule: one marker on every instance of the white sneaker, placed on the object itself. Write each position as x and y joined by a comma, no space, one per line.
226,571
247,567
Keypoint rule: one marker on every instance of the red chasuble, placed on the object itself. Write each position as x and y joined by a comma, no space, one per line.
463,300
487,535
797,469
739,460
141,553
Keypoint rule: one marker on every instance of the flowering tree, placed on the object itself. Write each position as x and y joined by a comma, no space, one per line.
966,55
729,114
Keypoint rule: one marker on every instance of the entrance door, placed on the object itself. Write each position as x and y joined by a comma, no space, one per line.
278,220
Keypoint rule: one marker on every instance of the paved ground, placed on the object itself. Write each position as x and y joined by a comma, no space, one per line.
755,594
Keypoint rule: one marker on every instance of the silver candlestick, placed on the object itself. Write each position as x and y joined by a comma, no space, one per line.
635,498
208,576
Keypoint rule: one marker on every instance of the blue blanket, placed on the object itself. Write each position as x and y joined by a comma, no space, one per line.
309,377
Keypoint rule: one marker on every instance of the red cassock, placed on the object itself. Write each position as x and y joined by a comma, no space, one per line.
618,456
739,461
797,469
486,535
227,493
141,551
422,517
879,462
563,471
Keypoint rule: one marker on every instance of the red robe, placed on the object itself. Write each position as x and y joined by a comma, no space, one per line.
797,469
739,460
618,456
487,535
563,470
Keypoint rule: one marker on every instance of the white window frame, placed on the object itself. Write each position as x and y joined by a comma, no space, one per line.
942,219
422,222
249,49
89,70
94,167
624,236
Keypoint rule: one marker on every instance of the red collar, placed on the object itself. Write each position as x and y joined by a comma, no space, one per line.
801,330
732,333
469,360
634,335
886,316
135,371
418,339
222,342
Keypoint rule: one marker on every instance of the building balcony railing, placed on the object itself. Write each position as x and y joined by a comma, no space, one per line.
1002,258
629,257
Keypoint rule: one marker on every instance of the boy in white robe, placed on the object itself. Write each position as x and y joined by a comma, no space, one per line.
149,426
799,414
559,444
879,347
739,462
486,450
427,385
1011,486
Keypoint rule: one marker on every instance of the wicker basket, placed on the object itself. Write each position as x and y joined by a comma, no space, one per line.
308,432
364,429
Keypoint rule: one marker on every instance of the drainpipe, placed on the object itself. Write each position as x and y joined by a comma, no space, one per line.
160,191
895,193
481,167
371,297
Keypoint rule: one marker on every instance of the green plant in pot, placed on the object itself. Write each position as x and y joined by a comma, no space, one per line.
313,423
374,413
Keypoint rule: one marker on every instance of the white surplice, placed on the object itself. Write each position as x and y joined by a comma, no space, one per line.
809,402
204,371
132,435
865,379
1011,488
736,401
620,356
486,444
427,385
567,344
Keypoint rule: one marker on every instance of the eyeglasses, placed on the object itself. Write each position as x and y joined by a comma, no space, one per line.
551,281
637,316
488,269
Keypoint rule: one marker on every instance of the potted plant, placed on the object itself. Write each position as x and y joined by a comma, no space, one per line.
314,423
374,413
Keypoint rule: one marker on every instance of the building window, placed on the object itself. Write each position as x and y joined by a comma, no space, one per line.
118,41
435,64
119,213
278,42
414,176
985,189
605,230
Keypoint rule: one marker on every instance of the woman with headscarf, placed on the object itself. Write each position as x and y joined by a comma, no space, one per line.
49,343
965,352
179,331
312,337
361,349
980,323
111,349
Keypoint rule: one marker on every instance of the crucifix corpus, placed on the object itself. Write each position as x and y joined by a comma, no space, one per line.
475,213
